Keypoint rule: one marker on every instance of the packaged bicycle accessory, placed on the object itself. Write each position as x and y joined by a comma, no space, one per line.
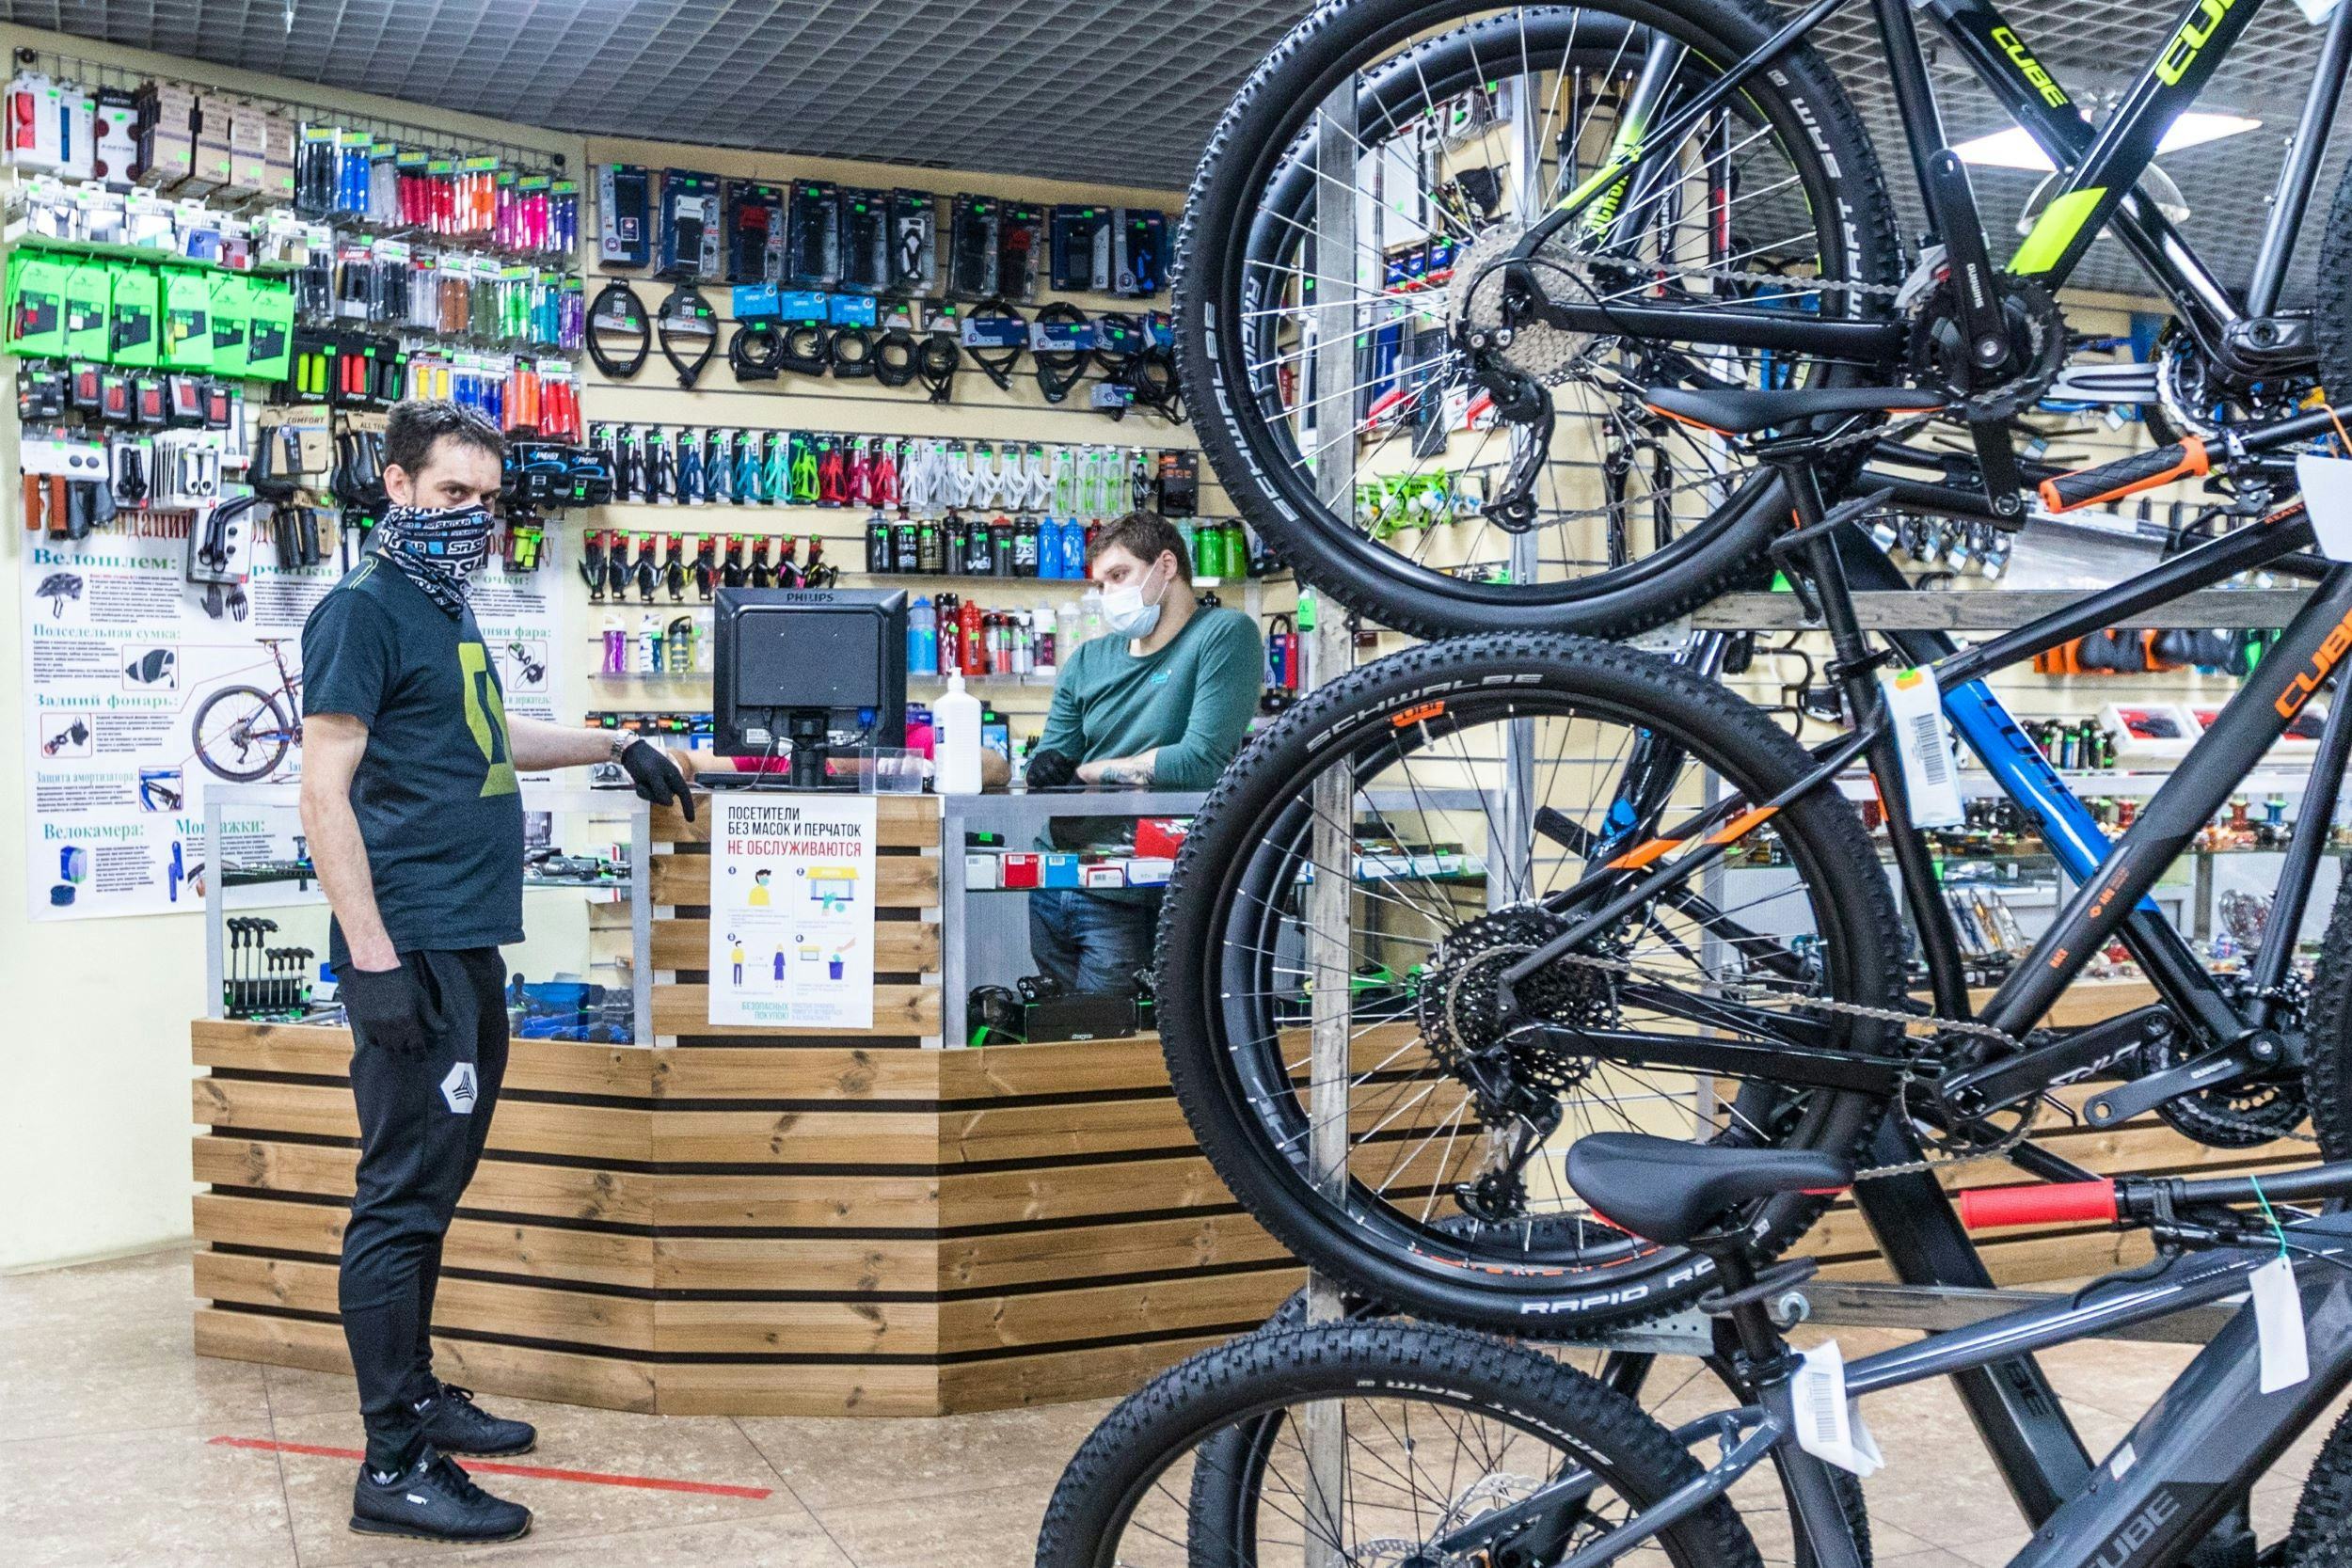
689,333
994,334
1020,248
269,330
622,238
36,304
973,236
914,222
1139,253
88,299
865,240
1082,249
1178,481
687,247
187,320
814,254
1062,344
756,233
137,308
231,320
619,333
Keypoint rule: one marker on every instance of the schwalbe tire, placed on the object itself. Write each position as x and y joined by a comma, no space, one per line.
1187,1404
1342,563
1821,827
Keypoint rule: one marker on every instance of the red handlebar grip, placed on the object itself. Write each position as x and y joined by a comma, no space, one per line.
2126,476
2038,1203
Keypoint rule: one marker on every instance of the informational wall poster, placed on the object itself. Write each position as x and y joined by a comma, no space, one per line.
792,910
139,698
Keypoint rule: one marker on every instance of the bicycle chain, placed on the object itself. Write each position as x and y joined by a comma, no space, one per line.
1998,1149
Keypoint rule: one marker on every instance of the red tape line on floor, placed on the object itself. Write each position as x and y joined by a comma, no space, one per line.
542,1472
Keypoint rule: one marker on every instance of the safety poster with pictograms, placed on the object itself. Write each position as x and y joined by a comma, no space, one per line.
143,689
792,887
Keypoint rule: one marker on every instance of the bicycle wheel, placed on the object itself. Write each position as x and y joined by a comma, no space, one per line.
1484,778
1471,119
1236,1465
1437,1428
241,733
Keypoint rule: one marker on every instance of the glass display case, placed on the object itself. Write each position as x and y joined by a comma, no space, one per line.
577,976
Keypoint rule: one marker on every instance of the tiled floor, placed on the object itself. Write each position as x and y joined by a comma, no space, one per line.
107,1421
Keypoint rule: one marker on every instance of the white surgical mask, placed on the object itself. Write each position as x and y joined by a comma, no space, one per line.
1126,614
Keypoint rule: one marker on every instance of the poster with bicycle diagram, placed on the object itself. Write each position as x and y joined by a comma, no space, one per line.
144,690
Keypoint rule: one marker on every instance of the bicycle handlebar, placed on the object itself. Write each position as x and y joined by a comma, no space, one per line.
2133,1199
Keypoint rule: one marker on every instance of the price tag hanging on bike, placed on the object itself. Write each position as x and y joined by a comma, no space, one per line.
1915,706
1828,1426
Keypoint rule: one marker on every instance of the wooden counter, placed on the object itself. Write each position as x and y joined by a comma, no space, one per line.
763,1222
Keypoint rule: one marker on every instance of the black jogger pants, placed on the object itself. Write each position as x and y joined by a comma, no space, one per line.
423,1118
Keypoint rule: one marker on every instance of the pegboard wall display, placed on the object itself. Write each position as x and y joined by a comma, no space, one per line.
819,373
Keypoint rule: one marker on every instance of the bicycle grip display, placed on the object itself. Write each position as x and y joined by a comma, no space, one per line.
2125,476
2039,1203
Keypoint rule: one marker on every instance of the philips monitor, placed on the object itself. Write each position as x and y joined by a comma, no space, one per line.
807,669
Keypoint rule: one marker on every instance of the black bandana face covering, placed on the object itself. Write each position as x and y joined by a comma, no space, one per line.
437,550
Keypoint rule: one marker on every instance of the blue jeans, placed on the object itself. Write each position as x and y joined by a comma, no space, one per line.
1091,943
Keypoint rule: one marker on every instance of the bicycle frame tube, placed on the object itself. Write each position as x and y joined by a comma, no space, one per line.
2314,643
2184,1464
2100,167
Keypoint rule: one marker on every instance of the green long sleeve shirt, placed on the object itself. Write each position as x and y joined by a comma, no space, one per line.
1192,700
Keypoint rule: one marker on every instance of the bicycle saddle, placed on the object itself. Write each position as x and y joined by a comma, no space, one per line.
1740,411
1665,1189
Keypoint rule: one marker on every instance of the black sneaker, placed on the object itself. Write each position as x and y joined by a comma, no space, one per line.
434,1500
455,1424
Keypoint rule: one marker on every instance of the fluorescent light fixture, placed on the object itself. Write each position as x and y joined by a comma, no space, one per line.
2014,148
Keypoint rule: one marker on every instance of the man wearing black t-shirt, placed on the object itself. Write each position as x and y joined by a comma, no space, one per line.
415,820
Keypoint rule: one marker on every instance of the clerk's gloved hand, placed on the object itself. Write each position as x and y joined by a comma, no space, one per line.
657,776
387,1007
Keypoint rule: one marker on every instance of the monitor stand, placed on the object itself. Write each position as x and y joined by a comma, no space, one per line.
810,732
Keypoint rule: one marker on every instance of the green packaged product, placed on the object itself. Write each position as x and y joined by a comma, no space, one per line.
89,292
231,316
187,320
269,332
137,310
36,304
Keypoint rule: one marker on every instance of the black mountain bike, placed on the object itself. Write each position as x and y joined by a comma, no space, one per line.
1537,216
1405,1445
1656,912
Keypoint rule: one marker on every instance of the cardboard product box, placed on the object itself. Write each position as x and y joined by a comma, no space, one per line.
1150,870
1022,870
1161,835
88,299
248,149
166,135
1060,870
277,157
214,115
1111,875
981,873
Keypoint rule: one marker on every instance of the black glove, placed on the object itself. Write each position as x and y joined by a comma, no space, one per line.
1050,770
389,1007
658,779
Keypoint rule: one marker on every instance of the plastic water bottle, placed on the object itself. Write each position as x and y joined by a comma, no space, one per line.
615,647
1090,613
649,645
1073,548
922,636
1069,631
956,740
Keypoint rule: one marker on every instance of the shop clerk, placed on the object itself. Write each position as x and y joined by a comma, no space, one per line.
1160,701
416,826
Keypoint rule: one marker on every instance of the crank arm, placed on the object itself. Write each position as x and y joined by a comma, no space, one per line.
2079,1055
2227,1064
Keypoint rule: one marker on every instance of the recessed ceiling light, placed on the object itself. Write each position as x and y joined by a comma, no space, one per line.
2014,148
